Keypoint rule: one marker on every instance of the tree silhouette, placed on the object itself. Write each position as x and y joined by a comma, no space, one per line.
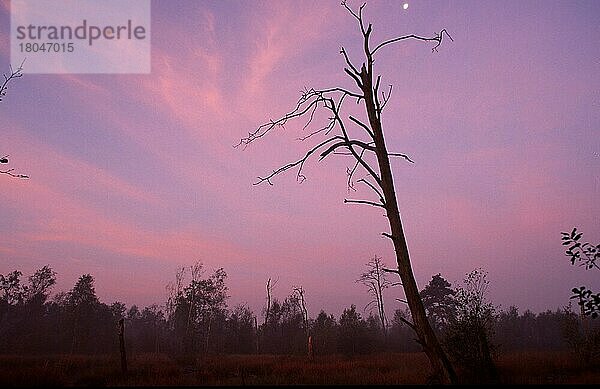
240,331
340,138
84,310
197,310
324,330
468,338
39,285
13,292
352,332
375,279
440,303
298,292
583,254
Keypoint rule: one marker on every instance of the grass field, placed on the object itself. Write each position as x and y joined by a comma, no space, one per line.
385,368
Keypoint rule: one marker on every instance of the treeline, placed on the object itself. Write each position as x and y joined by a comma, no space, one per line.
196,319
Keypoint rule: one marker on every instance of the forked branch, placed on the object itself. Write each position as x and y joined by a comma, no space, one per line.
437,38
14,73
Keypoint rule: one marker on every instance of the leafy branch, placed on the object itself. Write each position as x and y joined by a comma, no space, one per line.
585,254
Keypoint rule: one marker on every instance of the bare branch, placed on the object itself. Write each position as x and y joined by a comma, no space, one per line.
388,235
311,117
369,304
403,320
346,201
361,124
7,78
350,148
343,91
348,62
402,156
376,93
437,38
9,172
374,189
355,77
355,15
305,103
345,5
386,98
351,172
326,129
385,269
347,144
299,163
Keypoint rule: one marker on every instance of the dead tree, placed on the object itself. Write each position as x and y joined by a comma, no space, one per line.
376,282
299,292
338,135
270,285
12,75
256,349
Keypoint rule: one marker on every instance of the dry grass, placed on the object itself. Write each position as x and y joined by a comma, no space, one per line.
545,367
379,369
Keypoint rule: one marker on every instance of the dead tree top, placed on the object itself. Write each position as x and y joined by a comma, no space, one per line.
333,137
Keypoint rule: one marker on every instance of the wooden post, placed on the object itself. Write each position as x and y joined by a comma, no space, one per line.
122,346
256,335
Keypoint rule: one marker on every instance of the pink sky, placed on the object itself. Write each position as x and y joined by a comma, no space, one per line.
133,176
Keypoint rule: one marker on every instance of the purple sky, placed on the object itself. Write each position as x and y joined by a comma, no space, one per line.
133,176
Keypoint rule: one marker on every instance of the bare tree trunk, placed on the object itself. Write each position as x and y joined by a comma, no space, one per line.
122,346
268,310
255,335
436,355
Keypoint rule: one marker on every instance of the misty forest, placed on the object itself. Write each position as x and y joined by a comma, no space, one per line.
197,338
443,332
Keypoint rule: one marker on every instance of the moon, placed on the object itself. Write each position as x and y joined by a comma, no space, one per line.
405,6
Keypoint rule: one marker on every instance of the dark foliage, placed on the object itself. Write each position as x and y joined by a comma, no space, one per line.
586,255
196,321
440,302
468,337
